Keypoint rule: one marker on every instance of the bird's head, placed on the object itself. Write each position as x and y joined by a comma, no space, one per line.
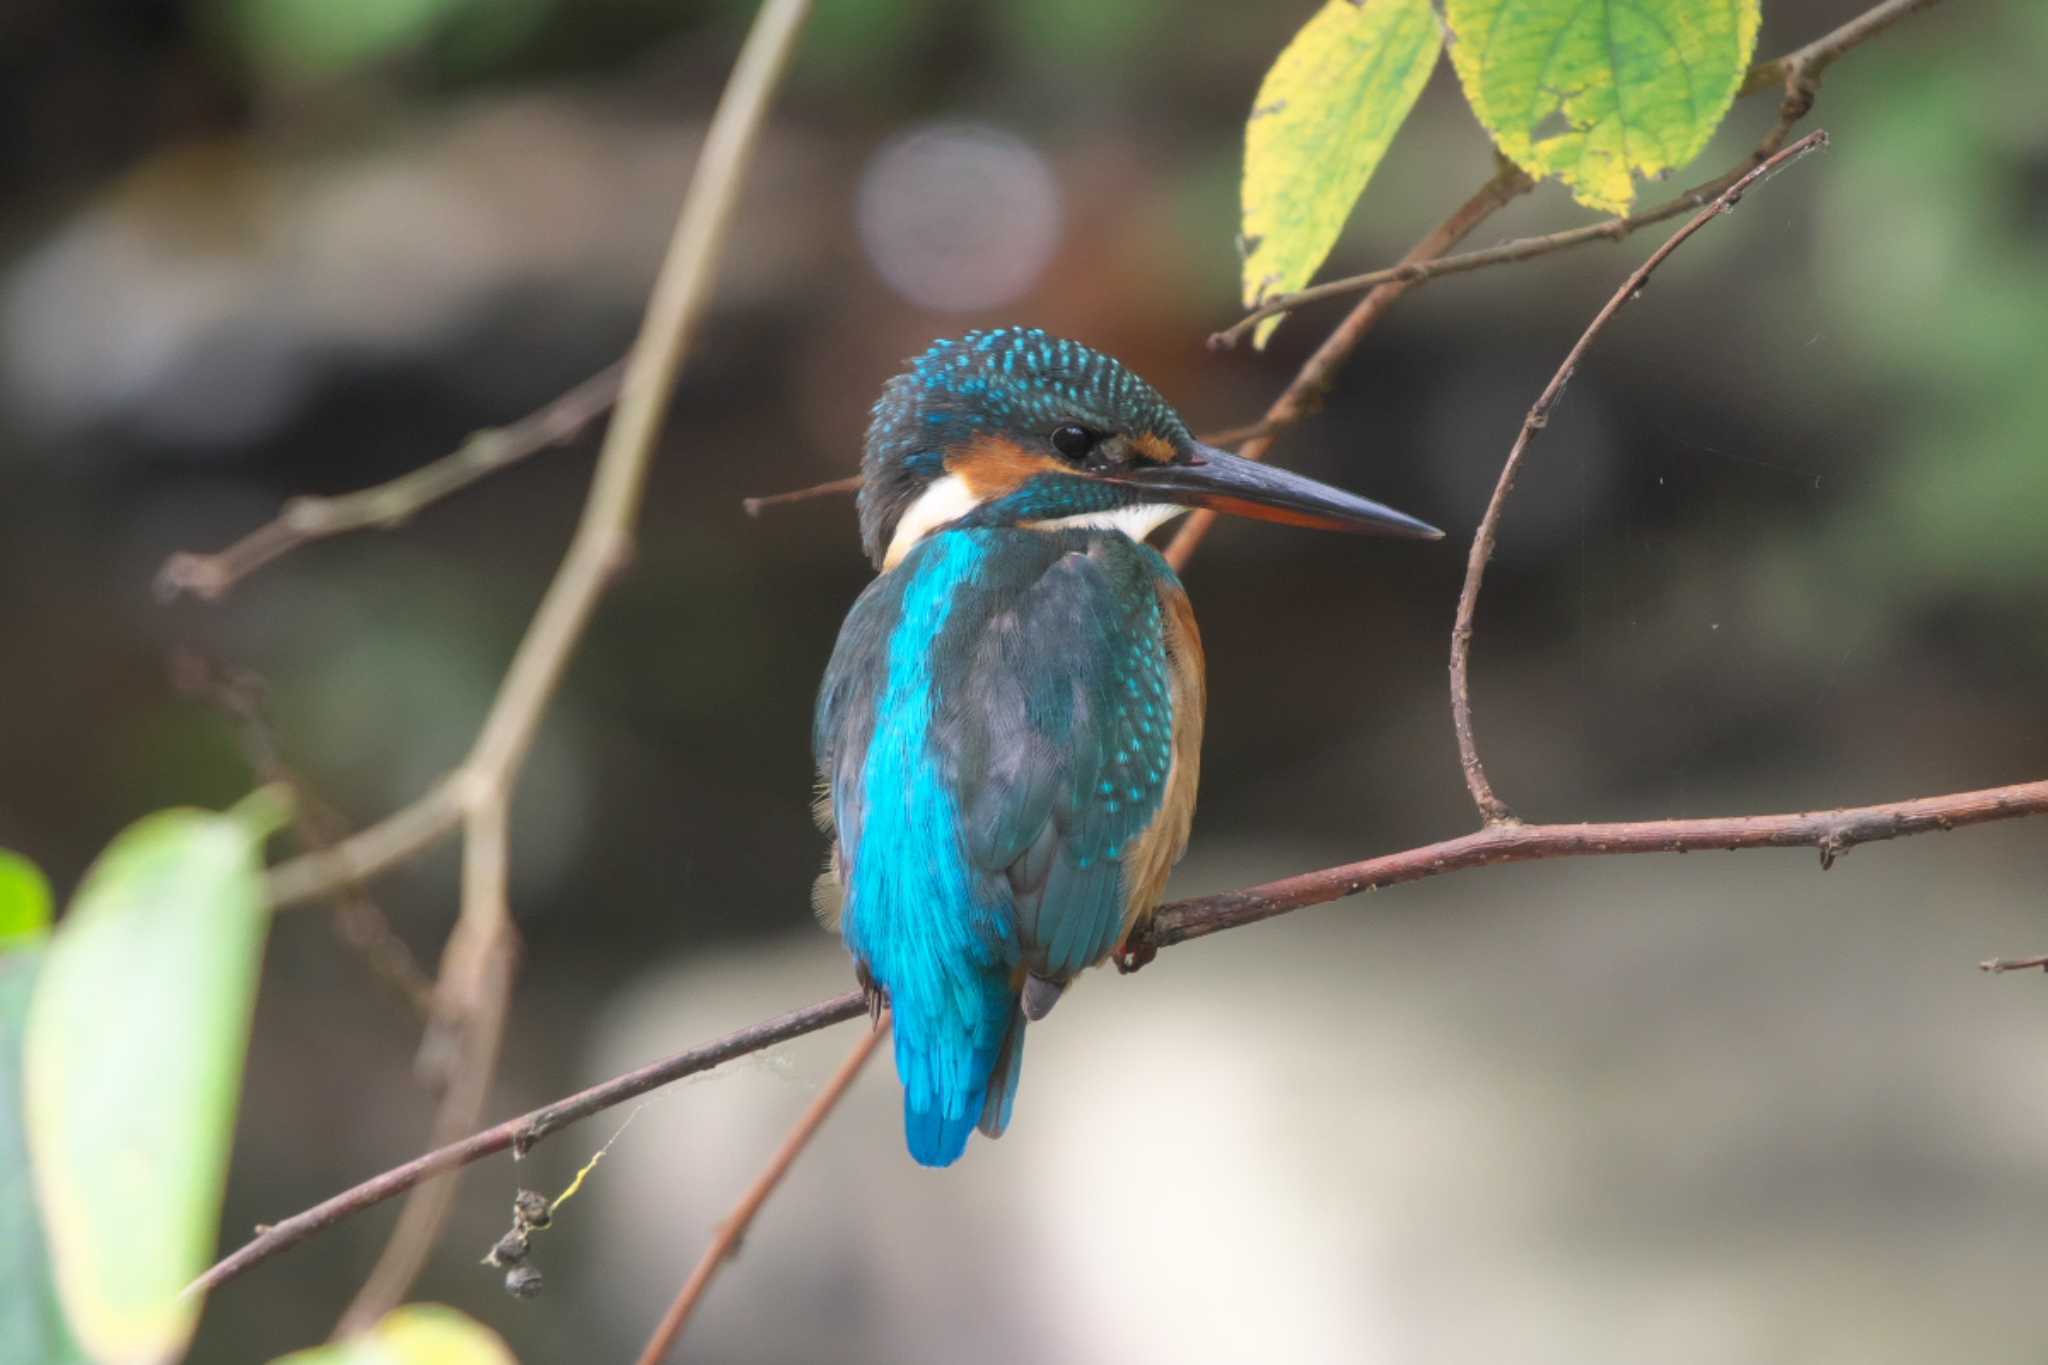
1013,427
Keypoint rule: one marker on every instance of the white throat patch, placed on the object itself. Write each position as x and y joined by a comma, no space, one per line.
1136,522
948,499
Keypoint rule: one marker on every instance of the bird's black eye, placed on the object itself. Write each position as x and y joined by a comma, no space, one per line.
1074,441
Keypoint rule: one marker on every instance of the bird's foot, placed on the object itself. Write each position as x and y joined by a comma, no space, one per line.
1133,956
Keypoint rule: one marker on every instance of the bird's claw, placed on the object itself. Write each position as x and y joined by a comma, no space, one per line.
1134,956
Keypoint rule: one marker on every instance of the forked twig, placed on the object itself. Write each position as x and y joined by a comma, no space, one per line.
1491,808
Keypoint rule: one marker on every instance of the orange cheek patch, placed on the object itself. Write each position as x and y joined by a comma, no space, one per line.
1157,449
993,466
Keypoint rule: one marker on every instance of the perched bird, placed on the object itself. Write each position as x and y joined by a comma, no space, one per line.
1010,729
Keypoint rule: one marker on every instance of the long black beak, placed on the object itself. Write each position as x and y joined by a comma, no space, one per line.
1207,477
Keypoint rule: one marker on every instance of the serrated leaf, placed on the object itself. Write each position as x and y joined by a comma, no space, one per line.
1596,92
1322,121
133,1058
24,901
417,1334
31,1324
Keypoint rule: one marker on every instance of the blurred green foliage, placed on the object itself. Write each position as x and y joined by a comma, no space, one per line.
417,1334
132,1066
31,1323
24,902
321,38
1942,195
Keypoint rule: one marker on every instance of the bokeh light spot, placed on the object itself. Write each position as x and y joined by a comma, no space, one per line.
959,216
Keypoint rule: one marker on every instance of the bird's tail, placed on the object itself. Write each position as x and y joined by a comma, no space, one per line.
1002,1082
943,1104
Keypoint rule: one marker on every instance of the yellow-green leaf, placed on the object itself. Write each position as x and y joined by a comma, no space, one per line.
417,1334
1597,92
1323,119
31,1324
24,901
134,1044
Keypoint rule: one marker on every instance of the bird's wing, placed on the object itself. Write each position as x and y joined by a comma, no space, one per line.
1060,741
845,720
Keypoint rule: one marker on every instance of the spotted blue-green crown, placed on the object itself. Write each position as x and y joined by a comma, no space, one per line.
1017,382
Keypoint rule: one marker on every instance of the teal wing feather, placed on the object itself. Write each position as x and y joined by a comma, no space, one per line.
1061,741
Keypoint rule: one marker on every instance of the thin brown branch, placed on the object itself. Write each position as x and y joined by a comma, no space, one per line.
1831,832
829,488
603,541
1491,808
1797,73
725,1242
405,833
754,506
463,1038
306,519
1304,394
1818,55
358,922
519,1135
475,989
2013,964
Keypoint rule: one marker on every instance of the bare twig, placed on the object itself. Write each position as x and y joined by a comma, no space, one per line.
1305,392
2013,964
303,520
476,976
358,922
1491,808
725,1242
475,989
1831,832
754,506
1797,73
1817,56
829,488
604,536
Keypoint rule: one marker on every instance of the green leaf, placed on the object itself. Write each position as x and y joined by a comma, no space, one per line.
134,1044
1597,92
417,1334
1323,119
31,1324
24,902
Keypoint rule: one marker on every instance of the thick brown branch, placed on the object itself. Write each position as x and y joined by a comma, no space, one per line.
1491,808
1797,73
725,1243
307,519
1304,394
1832,832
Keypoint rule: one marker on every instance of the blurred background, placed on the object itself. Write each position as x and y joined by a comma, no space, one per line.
1780,548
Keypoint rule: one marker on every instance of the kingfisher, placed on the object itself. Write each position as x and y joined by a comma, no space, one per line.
1009,732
